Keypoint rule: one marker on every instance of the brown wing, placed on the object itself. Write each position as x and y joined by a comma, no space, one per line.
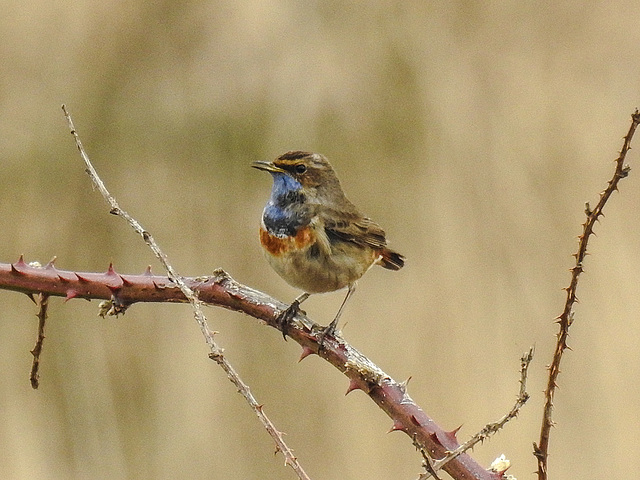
362,231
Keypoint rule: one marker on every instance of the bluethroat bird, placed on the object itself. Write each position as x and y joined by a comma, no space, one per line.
313,236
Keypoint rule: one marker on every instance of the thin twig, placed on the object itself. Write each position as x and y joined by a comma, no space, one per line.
427,462
34,376
491,428
217,353
565,319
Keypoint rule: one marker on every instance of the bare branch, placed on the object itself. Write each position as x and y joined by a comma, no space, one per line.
565,319
221,290
217,353
490,428
427,463
34,376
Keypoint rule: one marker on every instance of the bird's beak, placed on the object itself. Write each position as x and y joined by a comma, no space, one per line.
267,167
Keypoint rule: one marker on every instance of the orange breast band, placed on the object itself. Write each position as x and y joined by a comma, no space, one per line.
281,245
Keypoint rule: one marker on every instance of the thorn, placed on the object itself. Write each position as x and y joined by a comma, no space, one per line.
125,282
451,436
306,351
353,385
70,294
50,265
62,279
415,421
289,461
30,295
112,273
397,426
147,271
435,438
20,262
81,278
403,385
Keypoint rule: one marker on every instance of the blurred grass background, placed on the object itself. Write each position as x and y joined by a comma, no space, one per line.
473,132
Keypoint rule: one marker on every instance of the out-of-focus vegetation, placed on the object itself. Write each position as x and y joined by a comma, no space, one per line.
473,133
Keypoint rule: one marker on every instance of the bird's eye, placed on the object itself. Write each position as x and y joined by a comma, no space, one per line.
300,168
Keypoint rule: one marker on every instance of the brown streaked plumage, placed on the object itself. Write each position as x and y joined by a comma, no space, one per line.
313,236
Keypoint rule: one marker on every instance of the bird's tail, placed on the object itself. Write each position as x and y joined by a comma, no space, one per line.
391,260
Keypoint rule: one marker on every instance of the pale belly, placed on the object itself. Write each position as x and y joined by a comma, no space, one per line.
314,272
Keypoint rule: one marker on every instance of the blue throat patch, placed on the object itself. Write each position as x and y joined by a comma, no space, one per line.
285,211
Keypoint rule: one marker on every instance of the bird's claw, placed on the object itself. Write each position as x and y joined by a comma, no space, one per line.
285,317
327,331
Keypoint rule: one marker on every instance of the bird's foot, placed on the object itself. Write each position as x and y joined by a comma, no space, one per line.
285,317
327,331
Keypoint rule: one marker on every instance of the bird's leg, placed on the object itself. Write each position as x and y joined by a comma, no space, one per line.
331,329
287,315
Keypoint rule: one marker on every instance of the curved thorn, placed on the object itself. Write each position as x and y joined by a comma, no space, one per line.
306,351
353,385
80,277
415,421
397,426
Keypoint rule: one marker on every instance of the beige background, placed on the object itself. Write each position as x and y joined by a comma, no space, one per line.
473,132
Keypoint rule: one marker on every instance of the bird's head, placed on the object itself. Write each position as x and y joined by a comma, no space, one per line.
304,172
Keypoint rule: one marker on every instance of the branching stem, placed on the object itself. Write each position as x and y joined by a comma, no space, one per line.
565,319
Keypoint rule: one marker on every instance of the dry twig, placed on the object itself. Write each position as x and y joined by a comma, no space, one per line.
217,353
565,319
490,428
43,303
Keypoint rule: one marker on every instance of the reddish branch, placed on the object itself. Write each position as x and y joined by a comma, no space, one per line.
43,303
121,291
566,317
219,289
